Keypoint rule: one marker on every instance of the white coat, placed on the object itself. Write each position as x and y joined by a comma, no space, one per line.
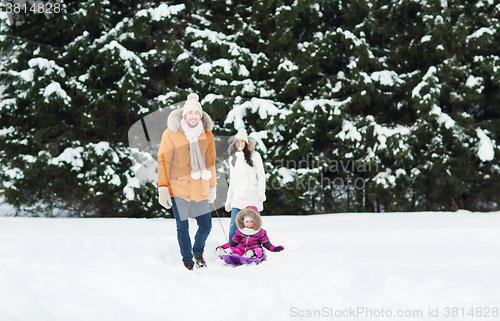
247,184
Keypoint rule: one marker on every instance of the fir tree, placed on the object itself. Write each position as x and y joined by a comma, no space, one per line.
399,95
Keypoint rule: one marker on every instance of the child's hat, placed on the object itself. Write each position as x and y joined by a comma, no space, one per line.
250,212
253,208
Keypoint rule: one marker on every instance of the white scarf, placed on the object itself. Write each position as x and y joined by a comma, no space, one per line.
198,168
248,231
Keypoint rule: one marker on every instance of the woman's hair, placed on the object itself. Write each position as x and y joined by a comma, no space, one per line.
246,152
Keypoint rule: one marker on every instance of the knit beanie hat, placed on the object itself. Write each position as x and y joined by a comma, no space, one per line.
247,218
192,104
242,134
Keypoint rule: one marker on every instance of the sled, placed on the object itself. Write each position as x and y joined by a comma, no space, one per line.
237,260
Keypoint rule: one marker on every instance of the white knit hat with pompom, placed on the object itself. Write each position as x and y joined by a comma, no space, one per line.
192,103
242,134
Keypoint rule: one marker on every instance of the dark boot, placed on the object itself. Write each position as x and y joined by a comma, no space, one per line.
188,265
200,261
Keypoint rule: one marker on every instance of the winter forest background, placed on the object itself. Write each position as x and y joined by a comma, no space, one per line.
357,106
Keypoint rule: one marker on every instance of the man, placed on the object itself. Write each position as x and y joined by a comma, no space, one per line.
187,177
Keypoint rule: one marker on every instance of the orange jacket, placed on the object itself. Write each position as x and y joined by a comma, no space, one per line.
174,160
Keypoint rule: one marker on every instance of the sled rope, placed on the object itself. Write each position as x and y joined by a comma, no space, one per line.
215,210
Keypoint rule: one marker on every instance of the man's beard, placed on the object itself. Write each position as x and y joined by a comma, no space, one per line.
193,126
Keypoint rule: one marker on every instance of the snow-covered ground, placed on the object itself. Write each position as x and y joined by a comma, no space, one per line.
394,266
6,209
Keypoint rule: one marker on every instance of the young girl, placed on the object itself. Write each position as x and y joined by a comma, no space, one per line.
249,238
247,180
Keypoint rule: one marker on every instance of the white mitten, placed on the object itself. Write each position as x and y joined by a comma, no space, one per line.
228,206
212,193
164,197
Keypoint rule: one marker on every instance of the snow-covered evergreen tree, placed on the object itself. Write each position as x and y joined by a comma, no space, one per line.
356,105
75,85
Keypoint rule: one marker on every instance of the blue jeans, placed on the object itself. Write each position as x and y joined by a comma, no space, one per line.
232,226
203,217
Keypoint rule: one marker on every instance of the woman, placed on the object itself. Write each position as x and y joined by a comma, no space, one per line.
247,180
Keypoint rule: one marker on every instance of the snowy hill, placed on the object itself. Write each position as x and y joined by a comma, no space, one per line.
348,266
